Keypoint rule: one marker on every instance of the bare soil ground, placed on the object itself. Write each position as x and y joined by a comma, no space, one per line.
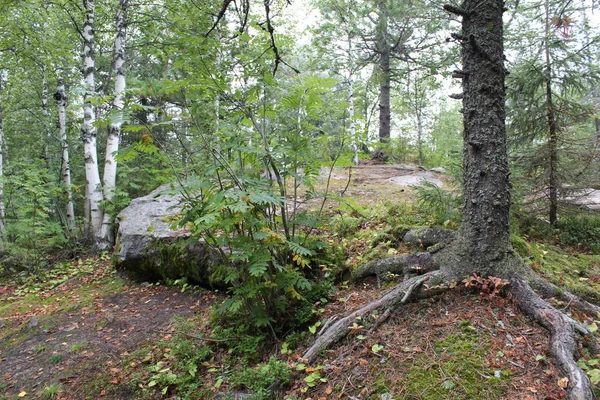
69,335
74,335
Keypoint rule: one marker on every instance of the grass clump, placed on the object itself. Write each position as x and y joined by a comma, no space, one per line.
51,392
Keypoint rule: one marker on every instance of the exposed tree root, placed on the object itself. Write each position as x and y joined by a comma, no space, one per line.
563,342
408,264
548,289
408,290
426,237
564,330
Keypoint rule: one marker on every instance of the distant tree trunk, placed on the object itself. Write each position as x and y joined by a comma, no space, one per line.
61,104
352,124
114,133
552,130
46,121
384,50
419,115
94,194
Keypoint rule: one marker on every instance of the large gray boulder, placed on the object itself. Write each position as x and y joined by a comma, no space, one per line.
149,248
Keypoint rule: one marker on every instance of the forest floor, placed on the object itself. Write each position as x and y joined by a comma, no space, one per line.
81,331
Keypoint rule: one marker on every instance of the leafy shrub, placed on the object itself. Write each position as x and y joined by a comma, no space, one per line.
243,200
580,230
262,378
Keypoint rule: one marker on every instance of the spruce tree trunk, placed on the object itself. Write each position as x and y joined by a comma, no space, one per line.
114,134
61,105
419,115
552,129
384,50
94,194
483,243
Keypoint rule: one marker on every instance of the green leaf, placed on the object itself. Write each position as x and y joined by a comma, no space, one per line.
376,348
592,327
300,367
448,385
594,375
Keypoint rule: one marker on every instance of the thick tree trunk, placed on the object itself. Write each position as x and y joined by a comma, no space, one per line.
94,194
61,105
114,133
384,50
483,244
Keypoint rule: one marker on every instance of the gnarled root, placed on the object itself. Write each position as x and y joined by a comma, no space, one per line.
548,289
408,290
418,263
563,342
426,237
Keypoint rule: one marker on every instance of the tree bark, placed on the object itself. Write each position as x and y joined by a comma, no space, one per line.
46,121
384,50
352,124
94,194
114,133
552,129
61,105
483,243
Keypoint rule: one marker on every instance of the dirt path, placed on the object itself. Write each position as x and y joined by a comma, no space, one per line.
62,336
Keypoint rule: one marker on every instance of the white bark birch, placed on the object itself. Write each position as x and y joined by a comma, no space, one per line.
88,130
61,105
114,133
46,120
352,124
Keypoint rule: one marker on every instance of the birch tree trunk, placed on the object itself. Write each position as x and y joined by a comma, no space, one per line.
114,133
352,124
61,105
94,195
46,120
384,49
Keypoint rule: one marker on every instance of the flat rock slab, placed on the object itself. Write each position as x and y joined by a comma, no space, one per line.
416,178
589,198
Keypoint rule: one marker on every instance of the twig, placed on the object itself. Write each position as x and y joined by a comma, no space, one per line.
516,364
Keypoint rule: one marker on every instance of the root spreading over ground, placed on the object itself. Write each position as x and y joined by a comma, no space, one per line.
436,276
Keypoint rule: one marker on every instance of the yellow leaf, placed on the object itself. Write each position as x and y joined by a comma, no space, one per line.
563,382
23,394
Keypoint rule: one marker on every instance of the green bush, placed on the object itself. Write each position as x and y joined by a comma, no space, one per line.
581,230
261,379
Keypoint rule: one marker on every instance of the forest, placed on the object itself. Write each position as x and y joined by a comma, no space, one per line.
375,199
